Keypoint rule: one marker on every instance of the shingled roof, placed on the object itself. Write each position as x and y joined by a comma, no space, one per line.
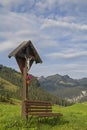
19,51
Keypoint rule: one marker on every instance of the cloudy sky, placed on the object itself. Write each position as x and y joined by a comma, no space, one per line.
57,29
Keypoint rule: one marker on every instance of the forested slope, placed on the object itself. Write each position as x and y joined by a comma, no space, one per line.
11,87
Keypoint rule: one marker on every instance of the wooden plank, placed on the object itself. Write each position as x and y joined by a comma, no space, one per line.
39,107
30,101
38,104
42,105
46,114
39,110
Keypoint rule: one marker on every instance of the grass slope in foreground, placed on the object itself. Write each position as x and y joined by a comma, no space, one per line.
74,118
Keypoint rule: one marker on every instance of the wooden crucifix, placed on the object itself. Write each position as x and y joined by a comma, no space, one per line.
25,55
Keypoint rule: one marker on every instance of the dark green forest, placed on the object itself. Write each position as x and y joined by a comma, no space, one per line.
35,91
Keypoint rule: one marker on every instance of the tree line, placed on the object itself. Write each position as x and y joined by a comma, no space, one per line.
35,92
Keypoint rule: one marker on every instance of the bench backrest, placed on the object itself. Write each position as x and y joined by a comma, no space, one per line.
34,107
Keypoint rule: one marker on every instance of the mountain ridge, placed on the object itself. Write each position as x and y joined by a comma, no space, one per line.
49,88
10,79
65,87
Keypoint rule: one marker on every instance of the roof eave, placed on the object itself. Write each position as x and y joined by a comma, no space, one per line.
23,44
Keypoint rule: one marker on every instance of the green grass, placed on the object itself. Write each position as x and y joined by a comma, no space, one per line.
8,85
74,118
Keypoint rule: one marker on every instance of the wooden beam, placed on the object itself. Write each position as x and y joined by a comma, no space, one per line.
24,93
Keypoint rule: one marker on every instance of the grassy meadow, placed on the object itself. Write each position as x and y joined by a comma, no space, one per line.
8,85
74,118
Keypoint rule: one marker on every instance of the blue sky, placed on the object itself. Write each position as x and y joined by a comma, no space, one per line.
57,28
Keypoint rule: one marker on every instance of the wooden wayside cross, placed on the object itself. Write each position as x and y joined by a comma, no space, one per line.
25,54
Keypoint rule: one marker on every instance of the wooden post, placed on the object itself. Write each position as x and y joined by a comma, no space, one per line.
24,93
25,55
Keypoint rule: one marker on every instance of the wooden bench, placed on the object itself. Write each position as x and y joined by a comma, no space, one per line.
40,109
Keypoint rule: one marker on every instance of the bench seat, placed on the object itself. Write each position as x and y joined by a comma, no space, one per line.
40,109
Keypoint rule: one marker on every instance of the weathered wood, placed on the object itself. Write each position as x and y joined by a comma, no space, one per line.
24,94
46,114
38,104
40,109
20,52
25,55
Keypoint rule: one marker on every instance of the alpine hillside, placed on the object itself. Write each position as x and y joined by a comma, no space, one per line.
11,87
74,90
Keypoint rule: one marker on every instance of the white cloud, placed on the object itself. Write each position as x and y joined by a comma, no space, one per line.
55,23
73,70
16,3
18,27
67,55
54,26
70,7
6,45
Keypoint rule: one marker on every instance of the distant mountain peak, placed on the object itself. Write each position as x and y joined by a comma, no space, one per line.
64,86
66,76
